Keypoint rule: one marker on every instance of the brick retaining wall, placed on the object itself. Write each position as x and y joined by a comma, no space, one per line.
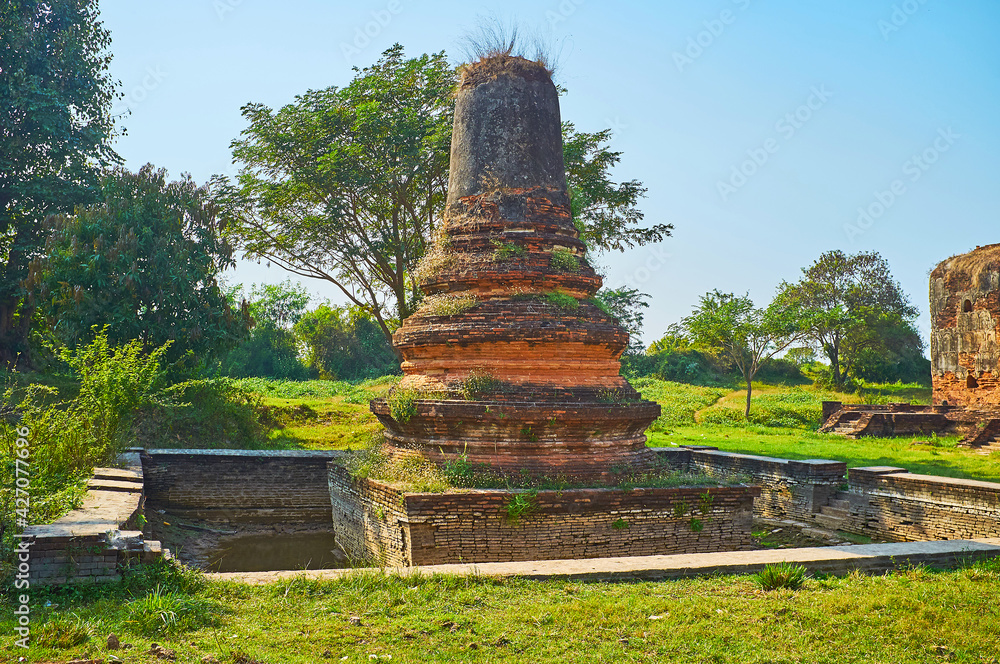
893,504
790,489
289,486
378,522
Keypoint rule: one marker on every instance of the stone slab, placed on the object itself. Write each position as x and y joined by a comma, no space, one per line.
118,474
100,484
101,512
870,558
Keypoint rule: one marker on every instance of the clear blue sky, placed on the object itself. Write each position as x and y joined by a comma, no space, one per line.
833,99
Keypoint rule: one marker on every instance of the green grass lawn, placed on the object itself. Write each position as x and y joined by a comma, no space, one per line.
334,415
917,615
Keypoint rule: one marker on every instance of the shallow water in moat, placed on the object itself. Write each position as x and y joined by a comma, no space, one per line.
263,552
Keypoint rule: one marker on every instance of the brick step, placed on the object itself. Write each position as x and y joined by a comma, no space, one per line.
114,485
840,503
830,522
838,512
117,474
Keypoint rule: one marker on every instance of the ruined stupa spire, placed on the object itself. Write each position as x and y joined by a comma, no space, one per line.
510,361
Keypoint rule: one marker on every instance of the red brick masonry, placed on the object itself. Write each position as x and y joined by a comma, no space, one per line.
377,522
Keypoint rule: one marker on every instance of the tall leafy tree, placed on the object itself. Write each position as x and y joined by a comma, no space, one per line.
143,261
55,127
606,212
745,334
345,184
854,310
348,184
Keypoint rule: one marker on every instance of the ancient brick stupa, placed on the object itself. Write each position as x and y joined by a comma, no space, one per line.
510,362
965,323
965,362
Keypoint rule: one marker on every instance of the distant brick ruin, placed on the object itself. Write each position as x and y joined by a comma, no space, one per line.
965,318
510,362
965,361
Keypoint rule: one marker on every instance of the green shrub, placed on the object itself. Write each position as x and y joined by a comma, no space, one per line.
403,404
562,300
217,412
345,343
67,437
564,260
506,250
780,575
480,383
520,506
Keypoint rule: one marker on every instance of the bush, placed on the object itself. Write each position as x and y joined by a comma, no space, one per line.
780,575
68,437
562,300
780,371
690,366
564,260
217,412
268,352
345,343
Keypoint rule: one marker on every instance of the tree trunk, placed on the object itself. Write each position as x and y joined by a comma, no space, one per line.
749,391
14,350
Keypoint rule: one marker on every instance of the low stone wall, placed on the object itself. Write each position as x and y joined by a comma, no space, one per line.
381,523
91,543
790,489
894,504
287,486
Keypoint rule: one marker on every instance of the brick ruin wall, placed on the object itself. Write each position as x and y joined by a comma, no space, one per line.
287,486
790,489
377,522
893,504
965,321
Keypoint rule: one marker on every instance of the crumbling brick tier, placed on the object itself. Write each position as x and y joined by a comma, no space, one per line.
511,361
571,439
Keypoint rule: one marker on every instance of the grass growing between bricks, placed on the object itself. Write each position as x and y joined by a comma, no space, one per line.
916,615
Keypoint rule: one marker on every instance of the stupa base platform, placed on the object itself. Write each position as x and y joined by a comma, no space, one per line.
392,527
572,440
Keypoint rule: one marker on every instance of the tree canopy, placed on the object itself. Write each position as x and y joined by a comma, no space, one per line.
55,133
345,184
853,309
746,334
143,262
